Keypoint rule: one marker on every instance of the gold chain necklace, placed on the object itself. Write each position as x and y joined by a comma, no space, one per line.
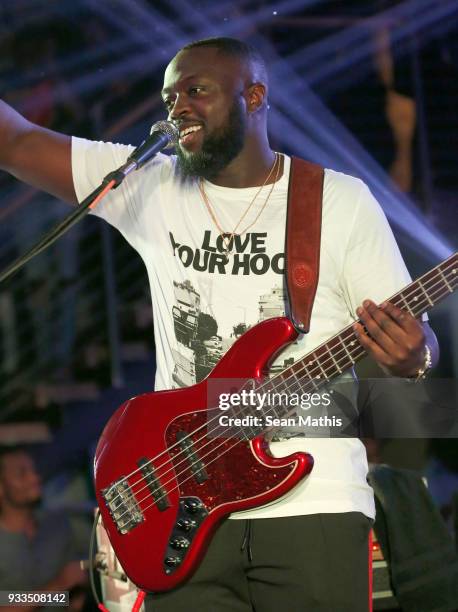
228,237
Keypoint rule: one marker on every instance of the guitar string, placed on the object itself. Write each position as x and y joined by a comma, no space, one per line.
209,442
359,349
327,342
177,487
268,383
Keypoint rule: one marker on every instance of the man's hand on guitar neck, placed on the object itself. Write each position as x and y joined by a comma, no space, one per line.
395,339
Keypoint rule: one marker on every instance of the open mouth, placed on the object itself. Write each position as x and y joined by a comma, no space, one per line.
190,134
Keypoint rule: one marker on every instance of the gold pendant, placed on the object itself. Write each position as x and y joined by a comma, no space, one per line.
228,240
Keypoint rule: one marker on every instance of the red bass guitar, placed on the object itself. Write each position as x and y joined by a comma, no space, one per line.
165,477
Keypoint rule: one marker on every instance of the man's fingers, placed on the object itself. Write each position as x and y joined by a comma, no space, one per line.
413,333
380,326
401,317
393,337
370,346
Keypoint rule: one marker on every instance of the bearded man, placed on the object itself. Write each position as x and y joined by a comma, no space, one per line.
209,223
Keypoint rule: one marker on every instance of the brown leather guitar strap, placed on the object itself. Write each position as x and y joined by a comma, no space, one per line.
303,233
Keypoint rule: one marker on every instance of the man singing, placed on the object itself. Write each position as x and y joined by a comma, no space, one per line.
209,223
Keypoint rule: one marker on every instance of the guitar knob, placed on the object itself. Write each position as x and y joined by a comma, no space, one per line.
172,561
179,542
192,506
186,524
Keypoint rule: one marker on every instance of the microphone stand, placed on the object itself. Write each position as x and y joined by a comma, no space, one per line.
111,181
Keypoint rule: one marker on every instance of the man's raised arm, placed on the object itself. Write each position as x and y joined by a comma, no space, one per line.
35,155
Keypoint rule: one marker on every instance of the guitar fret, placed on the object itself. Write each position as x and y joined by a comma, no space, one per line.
406,305
348,352
347,357
283,410
446,281
296,379
299,385
333,359
431,303
303,365
319,360
321,368
309,377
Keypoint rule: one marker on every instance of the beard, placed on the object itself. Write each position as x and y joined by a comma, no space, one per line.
218,149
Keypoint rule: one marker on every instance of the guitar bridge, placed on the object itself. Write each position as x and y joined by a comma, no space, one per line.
123,506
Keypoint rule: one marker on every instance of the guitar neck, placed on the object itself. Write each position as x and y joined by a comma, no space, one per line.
342,351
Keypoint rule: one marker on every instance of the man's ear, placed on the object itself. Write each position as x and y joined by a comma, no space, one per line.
256,97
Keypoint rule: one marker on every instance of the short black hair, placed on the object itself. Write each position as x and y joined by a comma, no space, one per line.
233,47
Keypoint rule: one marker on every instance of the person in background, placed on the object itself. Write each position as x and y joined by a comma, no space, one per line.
36,546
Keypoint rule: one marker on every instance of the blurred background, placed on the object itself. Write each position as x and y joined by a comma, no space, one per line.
366,87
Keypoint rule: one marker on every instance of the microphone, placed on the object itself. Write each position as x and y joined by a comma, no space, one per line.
163,135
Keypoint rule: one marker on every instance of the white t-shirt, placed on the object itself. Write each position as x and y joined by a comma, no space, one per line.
202,304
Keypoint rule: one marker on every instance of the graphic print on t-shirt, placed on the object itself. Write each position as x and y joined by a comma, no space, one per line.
200,346
203,331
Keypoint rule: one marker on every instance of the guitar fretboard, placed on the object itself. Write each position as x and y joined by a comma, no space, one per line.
342,351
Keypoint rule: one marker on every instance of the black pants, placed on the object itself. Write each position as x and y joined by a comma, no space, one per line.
314,563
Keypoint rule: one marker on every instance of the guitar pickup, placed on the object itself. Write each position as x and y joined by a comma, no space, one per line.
122,505
197,465
157,491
